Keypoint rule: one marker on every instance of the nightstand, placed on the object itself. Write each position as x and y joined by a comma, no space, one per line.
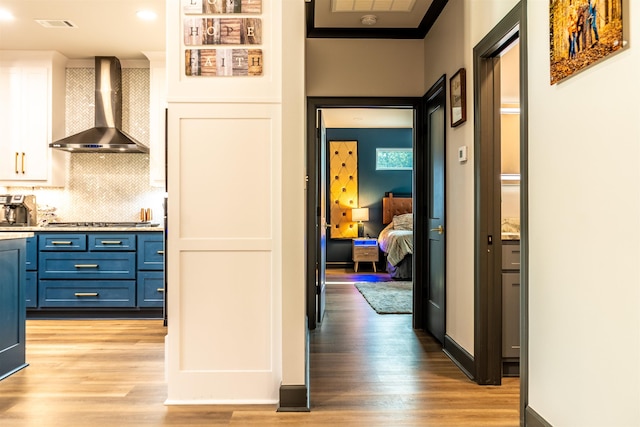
365,250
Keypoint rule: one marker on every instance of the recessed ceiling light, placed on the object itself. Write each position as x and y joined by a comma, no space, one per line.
146,15
5,15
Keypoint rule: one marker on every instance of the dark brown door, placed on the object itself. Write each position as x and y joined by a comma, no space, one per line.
430,201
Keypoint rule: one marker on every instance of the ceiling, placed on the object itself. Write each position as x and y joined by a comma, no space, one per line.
111,28
368,117
104,27
394,19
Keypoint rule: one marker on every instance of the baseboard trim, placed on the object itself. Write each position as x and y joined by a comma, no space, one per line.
293,398
461,357
533,419
510,368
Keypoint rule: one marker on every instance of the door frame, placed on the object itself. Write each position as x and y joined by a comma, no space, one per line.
488,319
314,104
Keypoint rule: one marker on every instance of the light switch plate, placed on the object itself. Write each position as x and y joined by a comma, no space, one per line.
462,154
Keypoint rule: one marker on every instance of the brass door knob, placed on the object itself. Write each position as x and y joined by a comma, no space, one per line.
439,229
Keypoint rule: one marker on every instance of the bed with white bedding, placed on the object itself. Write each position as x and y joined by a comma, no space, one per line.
396,239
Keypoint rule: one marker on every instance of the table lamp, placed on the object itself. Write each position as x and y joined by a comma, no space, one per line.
360,215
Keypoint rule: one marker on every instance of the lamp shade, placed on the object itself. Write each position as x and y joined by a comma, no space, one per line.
360,214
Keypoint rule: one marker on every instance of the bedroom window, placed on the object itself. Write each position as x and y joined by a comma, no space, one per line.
394,158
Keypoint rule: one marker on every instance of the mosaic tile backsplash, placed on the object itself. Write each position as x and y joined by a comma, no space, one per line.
103,186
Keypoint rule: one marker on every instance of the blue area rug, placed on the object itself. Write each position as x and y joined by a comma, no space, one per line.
388,297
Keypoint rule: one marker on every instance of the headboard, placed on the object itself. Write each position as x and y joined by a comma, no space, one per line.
392,206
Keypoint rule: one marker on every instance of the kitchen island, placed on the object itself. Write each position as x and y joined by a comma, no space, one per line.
12,301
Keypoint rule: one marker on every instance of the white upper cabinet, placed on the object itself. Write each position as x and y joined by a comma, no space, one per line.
32,88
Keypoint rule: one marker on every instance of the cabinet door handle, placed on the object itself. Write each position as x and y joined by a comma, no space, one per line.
160,252
515,347
23,156
16,162
160,289
111,242
86,294
86,265
60,242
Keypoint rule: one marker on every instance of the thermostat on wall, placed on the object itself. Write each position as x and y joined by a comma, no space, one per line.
462,154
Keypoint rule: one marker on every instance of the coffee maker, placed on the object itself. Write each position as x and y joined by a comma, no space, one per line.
18,210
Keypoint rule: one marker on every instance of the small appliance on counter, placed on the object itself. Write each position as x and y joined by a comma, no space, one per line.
18,210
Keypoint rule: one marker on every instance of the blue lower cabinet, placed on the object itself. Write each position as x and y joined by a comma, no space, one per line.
87,293
108,270
150,288
31,289
87,265
32,253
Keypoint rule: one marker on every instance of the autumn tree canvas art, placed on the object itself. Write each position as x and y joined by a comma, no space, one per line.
582,32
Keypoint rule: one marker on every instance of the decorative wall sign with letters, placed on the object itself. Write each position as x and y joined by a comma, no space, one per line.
231,31
223,62
207,7
203,33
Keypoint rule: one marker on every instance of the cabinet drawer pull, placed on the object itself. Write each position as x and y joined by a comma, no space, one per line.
160,252
86,265
86,294
111,242
60,242
160,290
515,347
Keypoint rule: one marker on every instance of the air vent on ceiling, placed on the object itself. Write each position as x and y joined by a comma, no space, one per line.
372,5
56,23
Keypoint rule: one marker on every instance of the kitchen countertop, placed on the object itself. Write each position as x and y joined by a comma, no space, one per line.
15,230
20,235
510,236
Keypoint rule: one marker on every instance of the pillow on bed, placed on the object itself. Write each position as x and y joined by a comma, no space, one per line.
403,222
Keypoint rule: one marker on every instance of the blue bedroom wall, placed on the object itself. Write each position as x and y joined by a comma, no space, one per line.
372,184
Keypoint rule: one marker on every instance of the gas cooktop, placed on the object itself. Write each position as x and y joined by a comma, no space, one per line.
101,224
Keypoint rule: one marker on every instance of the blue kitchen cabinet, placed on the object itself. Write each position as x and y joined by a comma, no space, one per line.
12,306
150,251
31,283
102,269
151,284
96,270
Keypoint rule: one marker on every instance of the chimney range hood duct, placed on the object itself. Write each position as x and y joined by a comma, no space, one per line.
107,136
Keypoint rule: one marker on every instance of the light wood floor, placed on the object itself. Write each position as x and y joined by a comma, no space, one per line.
366,370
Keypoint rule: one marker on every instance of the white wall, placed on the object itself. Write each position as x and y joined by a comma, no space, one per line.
446,51
359,67
584,215
236,327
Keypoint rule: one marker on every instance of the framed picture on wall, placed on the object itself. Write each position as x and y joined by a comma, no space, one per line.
458,97
582,33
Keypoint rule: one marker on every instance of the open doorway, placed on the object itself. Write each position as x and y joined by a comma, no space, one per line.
500,180
426,203
322,224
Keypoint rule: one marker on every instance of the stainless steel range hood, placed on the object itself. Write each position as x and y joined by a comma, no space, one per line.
107,136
